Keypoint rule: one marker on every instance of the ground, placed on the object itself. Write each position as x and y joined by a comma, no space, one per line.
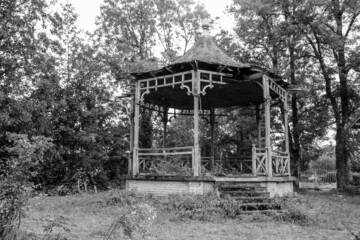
333,215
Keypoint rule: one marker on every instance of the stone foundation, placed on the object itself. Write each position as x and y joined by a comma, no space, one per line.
163,185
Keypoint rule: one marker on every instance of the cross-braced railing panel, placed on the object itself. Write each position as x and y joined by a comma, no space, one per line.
166,161
259,161
280,163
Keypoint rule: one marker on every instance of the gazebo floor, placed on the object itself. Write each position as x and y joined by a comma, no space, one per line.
164,184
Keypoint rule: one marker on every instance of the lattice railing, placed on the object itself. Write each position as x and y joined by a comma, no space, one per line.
279,90
280,163
176,161
259,159
234,165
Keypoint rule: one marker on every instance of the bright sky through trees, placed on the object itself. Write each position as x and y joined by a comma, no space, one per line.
89,9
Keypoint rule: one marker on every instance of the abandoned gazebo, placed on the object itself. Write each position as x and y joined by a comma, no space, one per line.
202,82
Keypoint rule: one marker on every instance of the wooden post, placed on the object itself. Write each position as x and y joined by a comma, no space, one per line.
130,163
286,128
135,160
212,125
197,160
258,118
267,99
253,155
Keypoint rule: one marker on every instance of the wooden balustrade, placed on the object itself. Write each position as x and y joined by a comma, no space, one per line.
281,164
149,159
254,163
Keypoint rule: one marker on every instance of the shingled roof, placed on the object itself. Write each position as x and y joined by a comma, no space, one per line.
207,55
206,50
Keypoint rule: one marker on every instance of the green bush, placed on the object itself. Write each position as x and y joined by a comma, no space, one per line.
21,161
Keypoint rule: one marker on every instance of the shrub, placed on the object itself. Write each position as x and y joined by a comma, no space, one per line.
172,165
12,199
294,212
21,161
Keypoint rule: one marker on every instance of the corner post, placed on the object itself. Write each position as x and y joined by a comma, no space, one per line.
135,159
267,99
197,155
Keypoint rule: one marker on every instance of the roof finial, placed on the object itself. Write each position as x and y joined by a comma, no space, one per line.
206,26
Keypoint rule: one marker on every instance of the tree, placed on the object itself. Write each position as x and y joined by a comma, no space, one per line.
22,67
129,24
330,28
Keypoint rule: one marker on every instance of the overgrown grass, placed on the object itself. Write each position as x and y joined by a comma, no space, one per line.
94,216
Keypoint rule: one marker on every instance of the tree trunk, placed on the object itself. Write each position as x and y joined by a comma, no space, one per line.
295,151
341,156
342,175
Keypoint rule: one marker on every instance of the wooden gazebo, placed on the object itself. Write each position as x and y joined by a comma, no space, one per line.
206,77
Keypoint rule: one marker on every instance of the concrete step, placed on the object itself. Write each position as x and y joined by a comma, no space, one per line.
266,212
240,187
250,184
245,199
244,194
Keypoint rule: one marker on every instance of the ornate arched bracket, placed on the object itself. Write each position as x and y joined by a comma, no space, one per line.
208,79
143,94
189,91
205,87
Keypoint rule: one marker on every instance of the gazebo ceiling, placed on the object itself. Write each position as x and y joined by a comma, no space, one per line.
243,87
